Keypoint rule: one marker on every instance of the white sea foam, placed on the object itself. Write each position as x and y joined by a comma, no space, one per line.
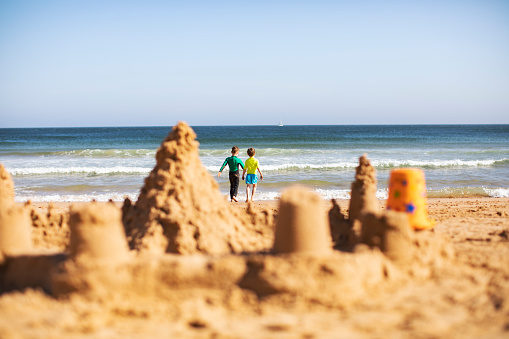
60,167
77,170
434,163
120,153
379,164
498,192
324,193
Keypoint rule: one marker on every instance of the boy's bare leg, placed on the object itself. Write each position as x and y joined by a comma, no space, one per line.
253,192
247,192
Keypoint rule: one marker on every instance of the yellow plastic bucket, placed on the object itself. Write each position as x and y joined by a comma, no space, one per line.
407,193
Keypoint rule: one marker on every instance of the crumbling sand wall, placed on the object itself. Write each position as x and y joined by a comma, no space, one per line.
50,227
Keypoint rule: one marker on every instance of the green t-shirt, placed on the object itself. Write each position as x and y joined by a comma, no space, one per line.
233,163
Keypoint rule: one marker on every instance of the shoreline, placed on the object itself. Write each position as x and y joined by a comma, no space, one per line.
433,203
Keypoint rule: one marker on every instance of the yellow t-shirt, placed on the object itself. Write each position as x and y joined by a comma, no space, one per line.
251,165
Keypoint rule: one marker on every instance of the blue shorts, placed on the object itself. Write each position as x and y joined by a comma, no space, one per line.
251,179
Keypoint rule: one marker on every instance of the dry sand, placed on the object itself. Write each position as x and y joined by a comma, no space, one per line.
195,266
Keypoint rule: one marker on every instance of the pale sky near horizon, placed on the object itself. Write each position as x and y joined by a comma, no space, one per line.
153,63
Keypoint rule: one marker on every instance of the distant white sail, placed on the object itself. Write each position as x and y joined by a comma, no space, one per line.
280,123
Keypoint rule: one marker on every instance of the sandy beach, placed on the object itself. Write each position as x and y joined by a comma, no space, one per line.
183,262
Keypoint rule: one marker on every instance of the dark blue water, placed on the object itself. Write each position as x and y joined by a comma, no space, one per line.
76,164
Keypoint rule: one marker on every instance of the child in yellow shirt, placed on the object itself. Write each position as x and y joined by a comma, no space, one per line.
250,166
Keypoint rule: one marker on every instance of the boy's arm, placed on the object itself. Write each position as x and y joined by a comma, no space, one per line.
261,175
224,164
243,167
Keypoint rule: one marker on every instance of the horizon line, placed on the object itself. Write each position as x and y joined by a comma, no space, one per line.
260,125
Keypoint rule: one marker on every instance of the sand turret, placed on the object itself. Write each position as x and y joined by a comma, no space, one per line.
391,233
97,234
363,199
180,208
6,187
302,226
15,230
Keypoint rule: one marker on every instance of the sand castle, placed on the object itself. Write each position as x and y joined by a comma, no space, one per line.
192,239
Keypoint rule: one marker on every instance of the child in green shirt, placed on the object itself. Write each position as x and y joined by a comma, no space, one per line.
233,164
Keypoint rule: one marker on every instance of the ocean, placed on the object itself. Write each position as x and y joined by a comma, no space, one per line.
81,164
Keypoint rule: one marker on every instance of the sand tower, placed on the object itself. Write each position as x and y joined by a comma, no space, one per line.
15,230
363,199
391,233
180,208
15,236
6,187
99,255
302,226
97,235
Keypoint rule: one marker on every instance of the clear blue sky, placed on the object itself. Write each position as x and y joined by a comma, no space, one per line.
148,63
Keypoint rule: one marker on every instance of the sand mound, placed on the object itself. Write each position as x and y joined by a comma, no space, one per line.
418,253
334,280
180,209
